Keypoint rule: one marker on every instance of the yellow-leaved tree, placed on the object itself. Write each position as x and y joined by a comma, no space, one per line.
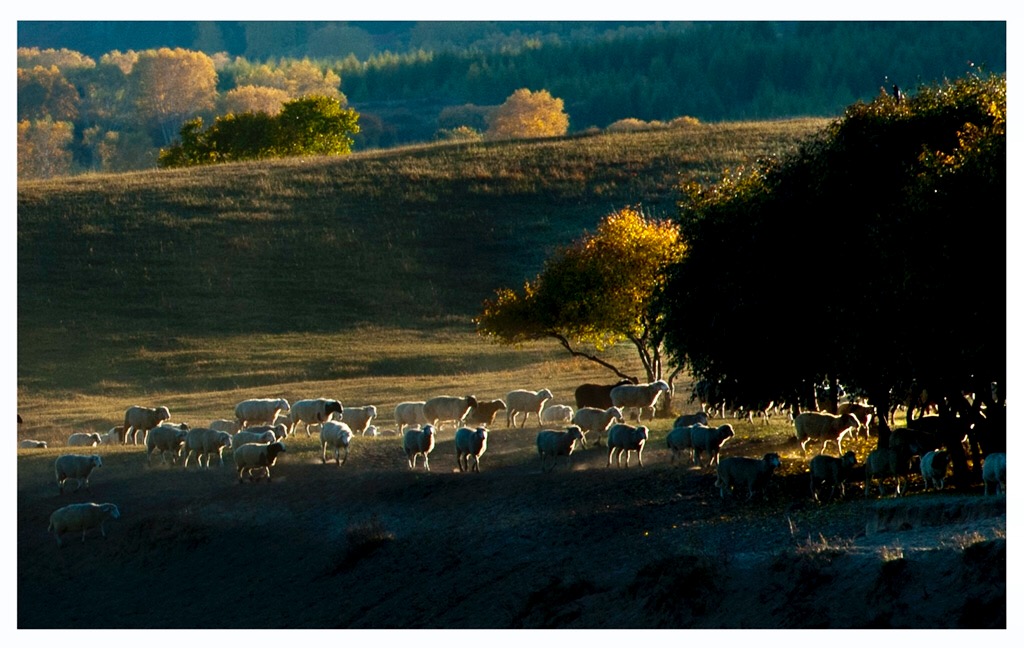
170,86
528,114
594,293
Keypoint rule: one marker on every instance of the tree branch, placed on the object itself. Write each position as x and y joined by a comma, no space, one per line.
580,354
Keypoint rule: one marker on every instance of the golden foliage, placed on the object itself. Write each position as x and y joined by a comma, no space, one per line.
529,114
250,98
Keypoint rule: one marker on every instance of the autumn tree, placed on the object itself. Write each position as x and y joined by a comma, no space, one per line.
43,148
297,78
528,114
250,98
43,92
172,85
595,293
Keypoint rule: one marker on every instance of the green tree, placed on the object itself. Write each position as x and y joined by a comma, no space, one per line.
528,114
595,293
316,125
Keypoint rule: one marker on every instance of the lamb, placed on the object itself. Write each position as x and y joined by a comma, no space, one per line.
484,412
338,436
591,419
358,418
86,439
597,396
77,467
933,468
993,471
142,419
710,440
113,436
418,442
525,401
556,414
864,414
555,444
700,418
81,517
813,426
371,430
623,438
225,425
285,420
259,410
754,474
883,462
831,472
312,411
250,436
31,443
250,457
639,396
206,441
166,438
409,413
442,409
470,443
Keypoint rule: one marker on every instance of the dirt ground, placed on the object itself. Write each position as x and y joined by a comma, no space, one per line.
373,544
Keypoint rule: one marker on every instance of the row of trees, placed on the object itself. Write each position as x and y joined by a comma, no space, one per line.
874,257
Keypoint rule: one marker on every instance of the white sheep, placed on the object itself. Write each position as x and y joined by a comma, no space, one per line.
470,443
623,438
409,413
556,414
442,409
285,419
259,411
525,401
312,411
249,436
166,438
113,436
641,397
484,412
555,444
753,474
358,418
372,431
679,439
831,472
31,443
81,517
279,430
814,426
417,442
709,440
993,471
206,441
225,425
884,462
142,419
338,436
594,420
934,465
77,467
250,457
84,439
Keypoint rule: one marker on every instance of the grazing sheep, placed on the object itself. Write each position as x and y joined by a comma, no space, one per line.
225,425
993,471
709,440
814,426
443,409
113,436
166,438
551,443
285,419
484,412
864,414
312,411
142,419
280,431
259,411
640,397
700,418
418,442
81,517
525,401
31,443
250,457
358,418
250,436
623,438
831,472
598,396
591,419
338,436
409,413
206,441
77,467
679,439
556,414
84,439
470,443
753,474
885,462
934,465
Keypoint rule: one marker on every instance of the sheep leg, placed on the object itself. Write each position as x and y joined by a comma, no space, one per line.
639,458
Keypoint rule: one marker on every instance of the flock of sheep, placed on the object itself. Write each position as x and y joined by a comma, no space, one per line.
256,436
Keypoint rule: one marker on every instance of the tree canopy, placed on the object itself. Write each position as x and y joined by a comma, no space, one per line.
528,114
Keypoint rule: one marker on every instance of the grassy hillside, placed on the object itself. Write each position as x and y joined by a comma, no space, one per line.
255,275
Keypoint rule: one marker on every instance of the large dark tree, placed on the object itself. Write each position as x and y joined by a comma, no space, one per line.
874,257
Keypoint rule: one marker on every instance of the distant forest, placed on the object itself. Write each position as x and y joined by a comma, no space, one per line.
410,80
